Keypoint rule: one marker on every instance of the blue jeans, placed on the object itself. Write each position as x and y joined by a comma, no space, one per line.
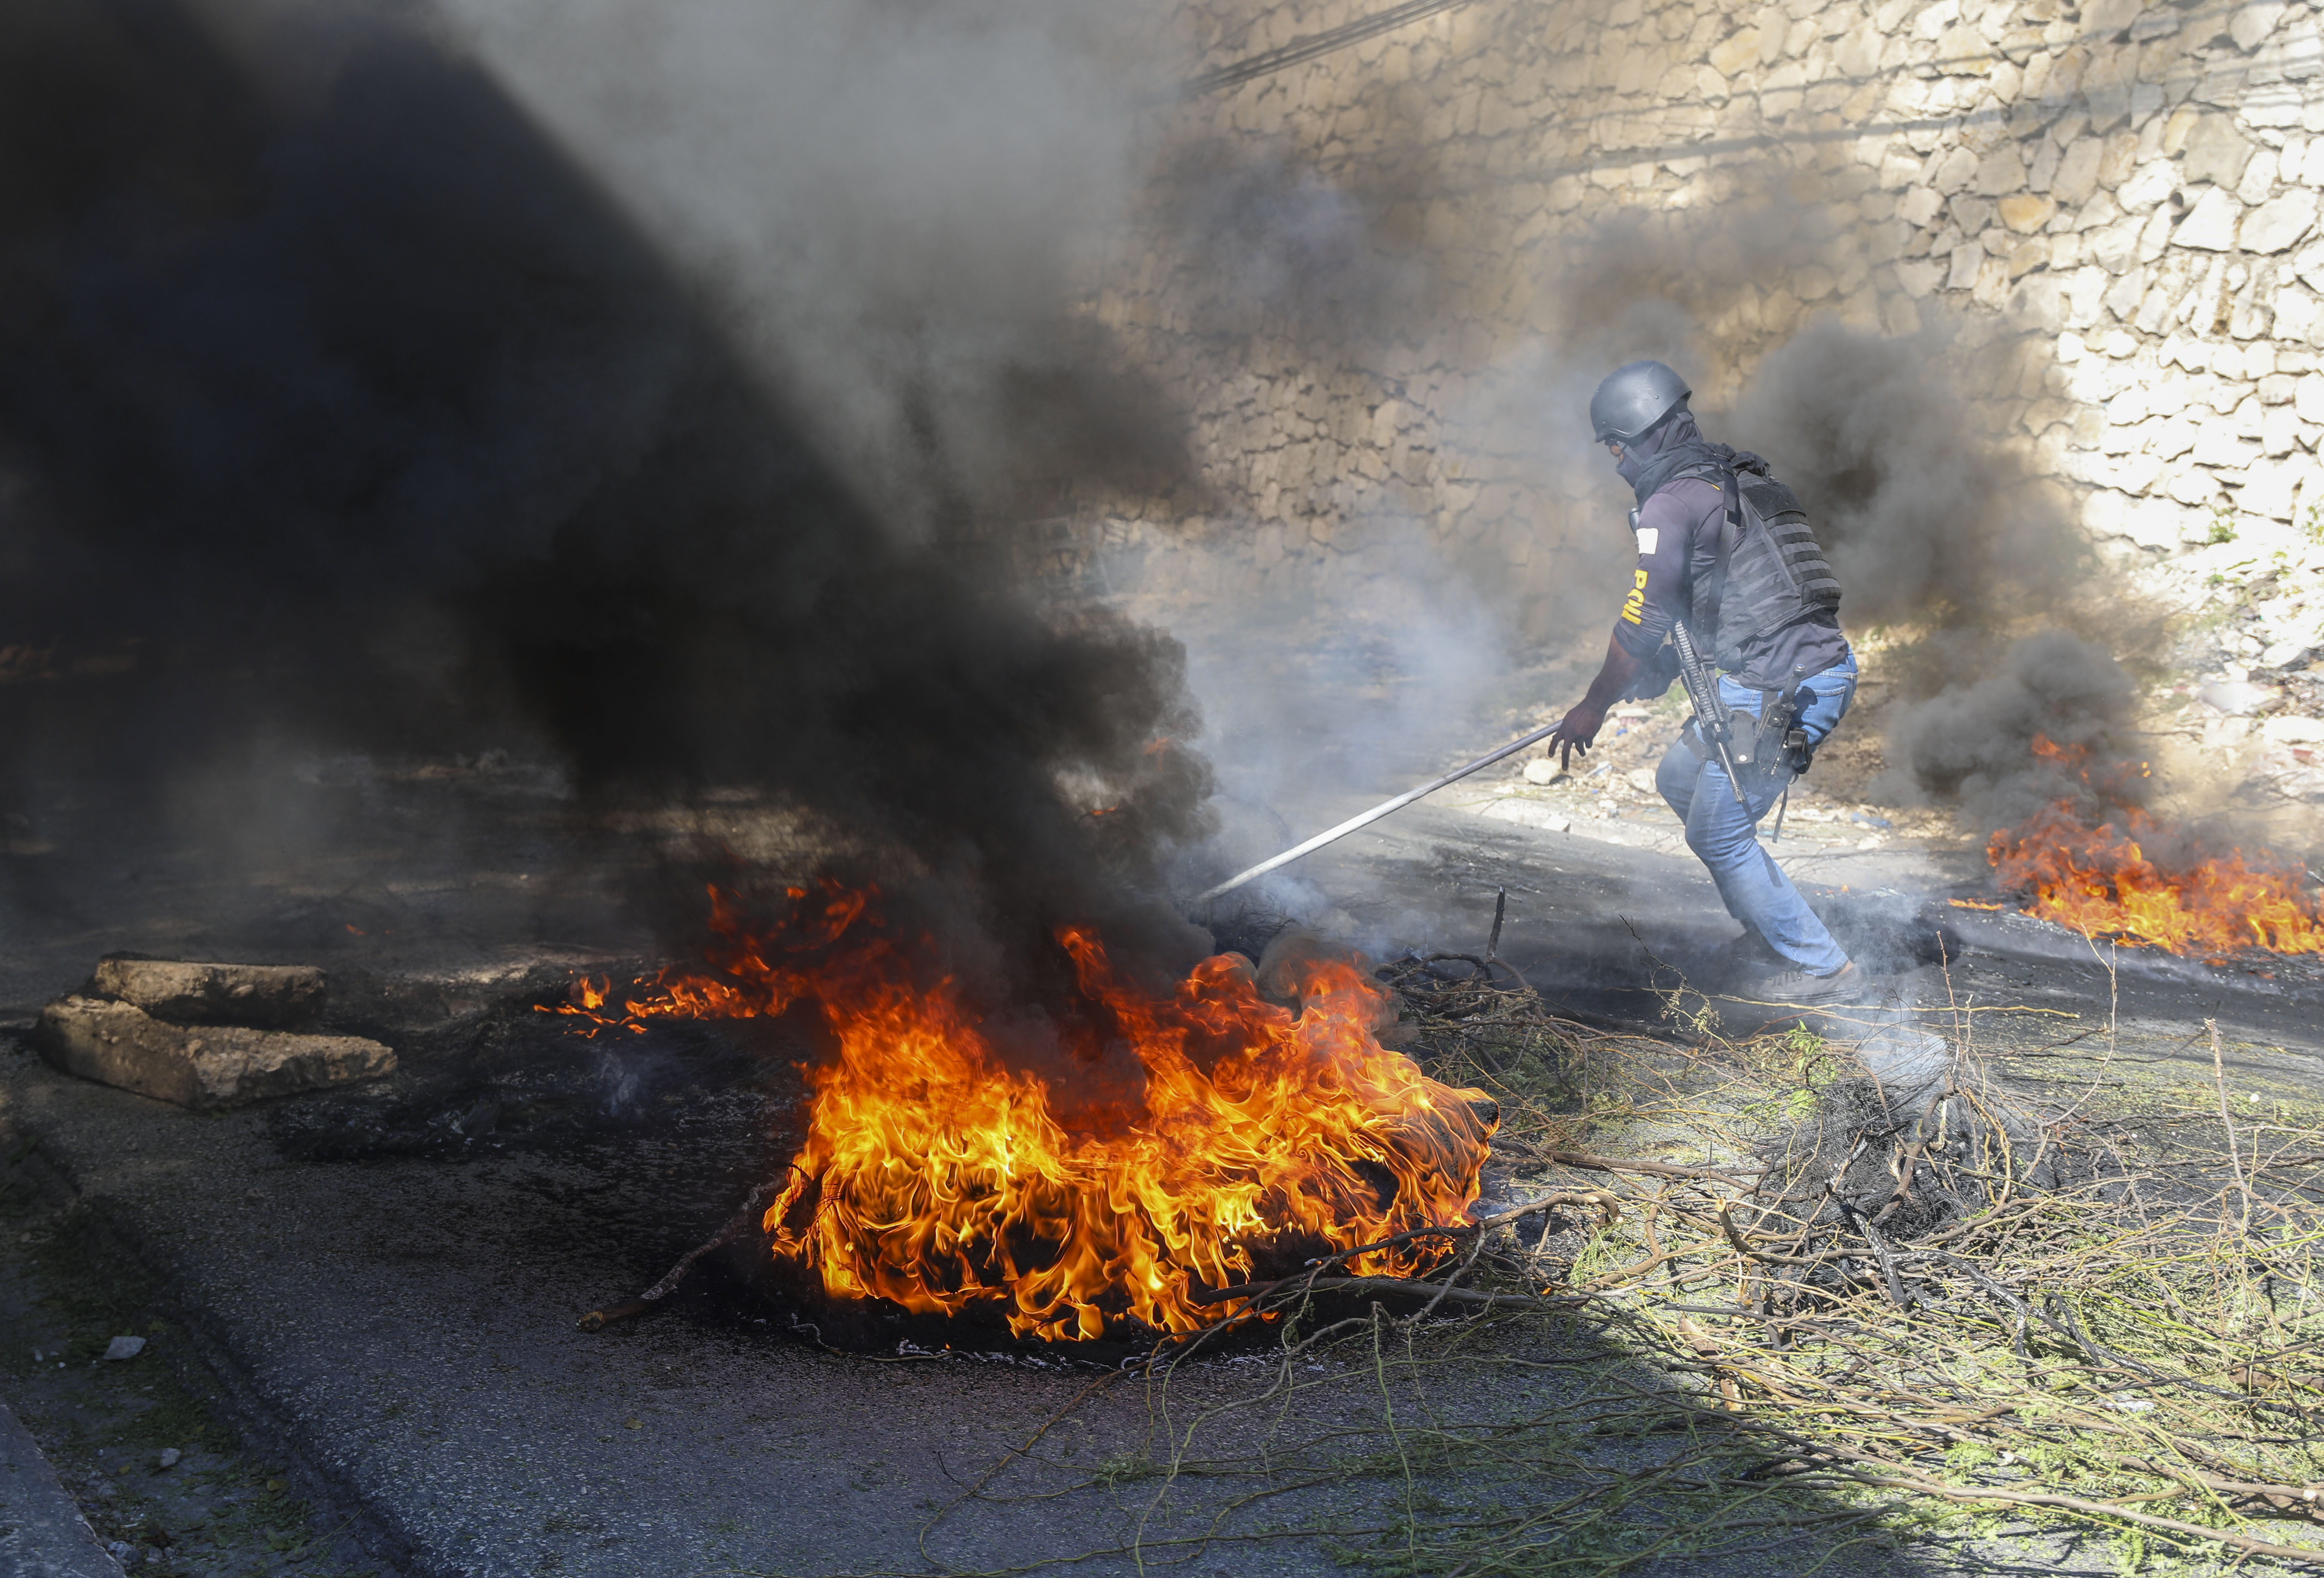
1725,836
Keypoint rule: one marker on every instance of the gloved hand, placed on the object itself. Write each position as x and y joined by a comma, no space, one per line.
1578,731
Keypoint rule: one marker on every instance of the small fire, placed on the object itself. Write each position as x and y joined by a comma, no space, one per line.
936,1174
2103,882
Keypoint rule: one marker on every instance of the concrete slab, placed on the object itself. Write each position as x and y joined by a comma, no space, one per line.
205,1068
275,997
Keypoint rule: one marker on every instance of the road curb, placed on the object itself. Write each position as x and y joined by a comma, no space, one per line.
43,1534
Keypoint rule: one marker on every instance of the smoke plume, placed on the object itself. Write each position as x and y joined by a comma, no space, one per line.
1924,517
1975,745
344,404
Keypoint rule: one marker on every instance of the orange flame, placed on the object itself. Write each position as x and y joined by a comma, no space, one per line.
937,1175
2102,881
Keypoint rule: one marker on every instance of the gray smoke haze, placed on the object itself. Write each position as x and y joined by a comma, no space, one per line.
894,207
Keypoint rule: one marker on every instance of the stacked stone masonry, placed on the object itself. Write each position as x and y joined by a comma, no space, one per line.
2111,213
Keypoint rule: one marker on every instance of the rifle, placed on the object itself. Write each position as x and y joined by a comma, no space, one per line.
1710,719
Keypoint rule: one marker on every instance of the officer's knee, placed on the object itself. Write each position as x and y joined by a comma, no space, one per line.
1718,844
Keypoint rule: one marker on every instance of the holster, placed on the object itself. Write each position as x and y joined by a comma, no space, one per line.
1769,745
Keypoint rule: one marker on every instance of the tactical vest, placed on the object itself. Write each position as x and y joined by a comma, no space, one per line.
1771,573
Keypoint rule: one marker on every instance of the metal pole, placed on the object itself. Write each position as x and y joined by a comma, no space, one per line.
1374,814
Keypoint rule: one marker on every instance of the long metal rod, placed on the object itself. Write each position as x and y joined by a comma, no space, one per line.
1374,814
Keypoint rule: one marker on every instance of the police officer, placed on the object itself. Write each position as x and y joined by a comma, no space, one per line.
1762,603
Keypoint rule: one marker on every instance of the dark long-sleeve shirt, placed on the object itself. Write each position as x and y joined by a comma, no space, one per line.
1678,542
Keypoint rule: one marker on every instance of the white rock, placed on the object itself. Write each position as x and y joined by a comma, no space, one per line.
1966,259
1527,814
2215,152
2260,537
2270,488
2197,488
2136,474
2275,224
2154,239
2271,104
2077,175
2280,427
2155,181
2171,437
2098,470
2236,697
2217,444
2158,522
1642,779
124,1347
2308,398
2288,620
2295,312
1543,770
2104,512
2085,288
2041,297
2290,731
2253,21
1918,277
1920,207
2293,52
2259,177
2114,246
2211,224
2000,171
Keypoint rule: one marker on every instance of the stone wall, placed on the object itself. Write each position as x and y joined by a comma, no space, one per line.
1381,282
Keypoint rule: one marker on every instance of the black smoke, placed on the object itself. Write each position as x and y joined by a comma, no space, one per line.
339,405
1925,516
1975,745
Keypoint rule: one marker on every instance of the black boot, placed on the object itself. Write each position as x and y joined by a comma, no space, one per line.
1740,958
1797,988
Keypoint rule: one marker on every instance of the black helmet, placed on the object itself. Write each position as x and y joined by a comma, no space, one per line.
1633,400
